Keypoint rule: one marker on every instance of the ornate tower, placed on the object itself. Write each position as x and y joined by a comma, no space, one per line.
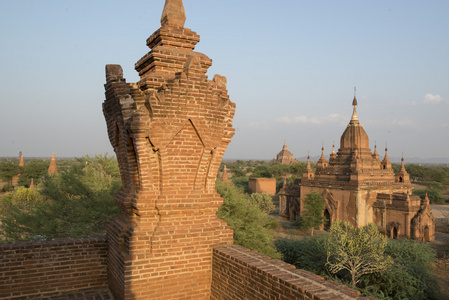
169,132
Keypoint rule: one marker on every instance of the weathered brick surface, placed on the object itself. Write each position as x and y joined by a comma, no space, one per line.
263,185
169,132
239,273
32,269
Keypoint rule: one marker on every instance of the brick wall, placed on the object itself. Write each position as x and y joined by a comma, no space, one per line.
34,269
263,185
239,273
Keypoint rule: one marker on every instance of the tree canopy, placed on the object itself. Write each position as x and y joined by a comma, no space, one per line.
313,214
357,250
73,203
252,227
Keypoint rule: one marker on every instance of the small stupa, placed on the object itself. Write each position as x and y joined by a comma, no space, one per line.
53,168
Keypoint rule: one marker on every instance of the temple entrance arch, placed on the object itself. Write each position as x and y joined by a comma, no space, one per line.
327,223
426,234
394,233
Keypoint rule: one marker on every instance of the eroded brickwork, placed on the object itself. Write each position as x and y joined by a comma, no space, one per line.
239,273
32,269
262,185
169,131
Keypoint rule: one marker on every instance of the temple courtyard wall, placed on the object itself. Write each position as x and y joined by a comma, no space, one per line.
77,268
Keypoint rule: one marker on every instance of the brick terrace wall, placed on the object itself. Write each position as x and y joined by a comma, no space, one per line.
263,185
239,273
34,269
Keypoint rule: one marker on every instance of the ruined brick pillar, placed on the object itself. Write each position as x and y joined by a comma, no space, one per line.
169,132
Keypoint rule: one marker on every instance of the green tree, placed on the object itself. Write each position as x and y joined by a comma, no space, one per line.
262,171
237,172
8,170
410,277
434,195
252,227
79,202
35,169
357,250
313,214
263,201
308,253
15,209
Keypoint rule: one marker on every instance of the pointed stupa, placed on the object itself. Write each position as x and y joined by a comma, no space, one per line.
402,175
354,136
21,162
308,167
224,176
31,184
173,14
308,173
426,200
354,112
20,155
53,168
322,162
386,164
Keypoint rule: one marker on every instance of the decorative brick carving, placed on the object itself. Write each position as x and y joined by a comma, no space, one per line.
169,132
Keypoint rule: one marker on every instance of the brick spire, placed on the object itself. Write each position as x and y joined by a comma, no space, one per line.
173,14
169,132
53,168
31,184
225,174
22,161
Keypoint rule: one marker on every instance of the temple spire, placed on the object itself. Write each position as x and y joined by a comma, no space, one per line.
308,163
173,13
354,113
31,184
53,168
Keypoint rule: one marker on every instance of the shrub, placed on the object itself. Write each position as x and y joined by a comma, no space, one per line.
252,227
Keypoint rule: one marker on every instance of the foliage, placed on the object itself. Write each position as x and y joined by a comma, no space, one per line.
15,211
307,253
263,201
241,182
35,169
237,172
7,188
357,250
252,227
312,216
434,195
79,202
411,275
8,170
262,171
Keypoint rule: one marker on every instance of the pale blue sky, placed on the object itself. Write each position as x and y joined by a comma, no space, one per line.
291,67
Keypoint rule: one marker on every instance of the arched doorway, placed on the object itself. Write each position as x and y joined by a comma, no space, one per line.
426,234
394,233
327,223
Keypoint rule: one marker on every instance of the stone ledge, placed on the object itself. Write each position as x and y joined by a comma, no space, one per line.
245,274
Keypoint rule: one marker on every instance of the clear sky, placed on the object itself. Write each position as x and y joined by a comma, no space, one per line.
291,67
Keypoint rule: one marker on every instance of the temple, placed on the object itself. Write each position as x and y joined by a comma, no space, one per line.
285,156
359,188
